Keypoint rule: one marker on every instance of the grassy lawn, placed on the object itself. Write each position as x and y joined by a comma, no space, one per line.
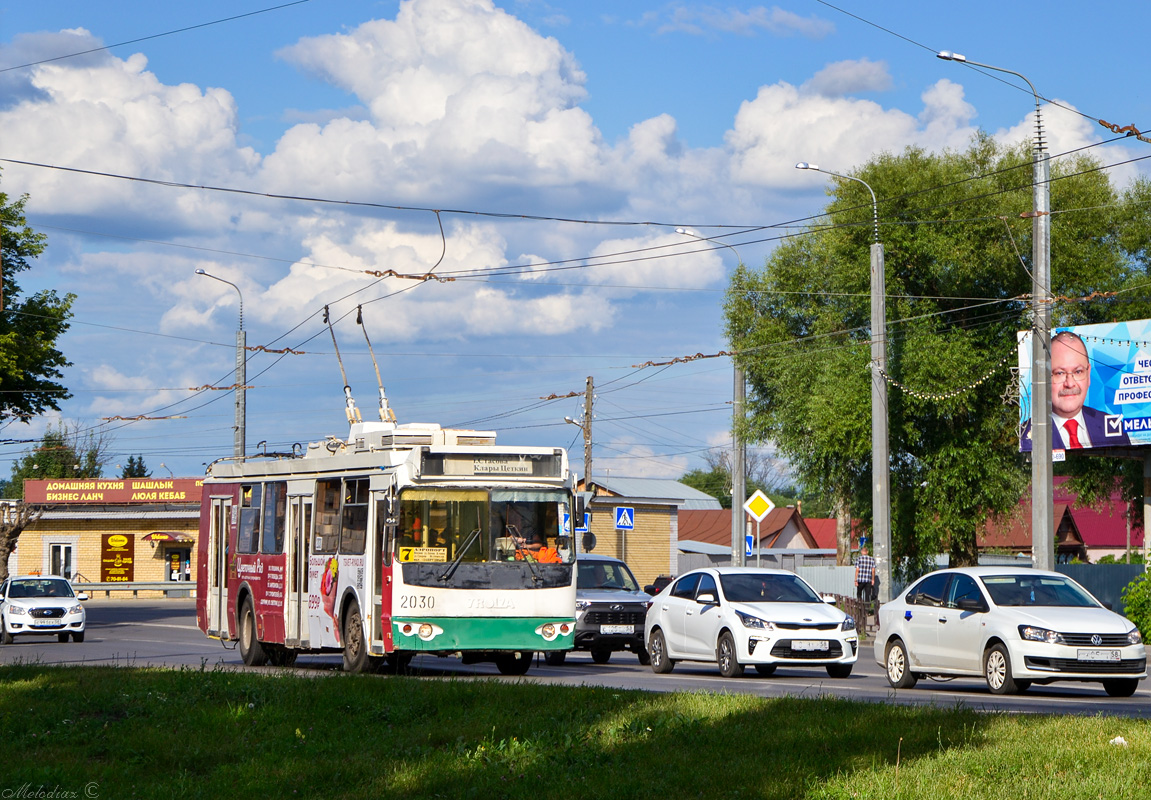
126,732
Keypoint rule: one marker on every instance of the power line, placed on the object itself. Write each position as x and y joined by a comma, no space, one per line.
153,36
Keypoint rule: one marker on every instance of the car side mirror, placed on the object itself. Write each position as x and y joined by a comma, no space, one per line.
830,599
971,604
706,599
82,596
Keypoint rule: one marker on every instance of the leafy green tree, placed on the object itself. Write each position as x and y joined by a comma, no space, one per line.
761,473
1136,598
135,468
29,327
63,452
958,290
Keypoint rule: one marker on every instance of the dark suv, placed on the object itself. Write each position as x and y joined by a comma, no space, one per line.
610,610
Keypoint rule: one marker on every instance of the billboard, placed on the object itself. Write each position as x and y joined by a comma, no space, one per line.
1100,386
113,490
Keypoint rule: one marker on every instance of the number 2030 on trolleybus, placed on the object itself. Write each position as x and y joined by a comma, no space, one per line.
403,539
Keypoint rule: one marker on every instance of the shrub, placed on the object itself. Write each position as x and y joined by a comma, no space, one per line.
1137,603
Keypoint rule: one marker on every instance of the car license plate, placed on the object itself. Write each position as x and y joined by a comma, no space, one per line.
617,628
46,623
1099,655
808,644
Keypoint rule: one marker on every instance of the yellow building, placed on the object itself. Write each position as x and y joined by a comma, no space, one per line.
119,530
637,520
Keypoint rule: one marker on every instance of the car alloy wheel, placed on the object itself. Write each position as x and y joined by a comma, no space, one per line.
899,674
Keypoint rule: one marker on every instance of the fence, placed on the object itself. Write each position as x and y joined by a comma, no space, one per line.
169,588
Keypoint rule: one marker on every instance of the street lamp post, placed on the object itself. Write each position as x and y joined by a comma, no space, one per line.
738,447
880,440
1042,490
241,370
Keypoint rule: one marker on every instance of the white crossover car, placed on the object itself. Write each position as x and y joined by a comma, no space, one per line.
737,617
1012,627
40,604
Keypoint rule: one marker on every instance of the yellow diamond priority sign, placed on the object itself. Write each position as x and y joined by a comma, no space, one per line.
758,505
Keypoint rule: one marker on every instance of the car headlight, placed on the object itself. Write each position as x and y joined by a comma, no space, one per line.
1134,636
754,622
1033,634
17,611
76,609
848,623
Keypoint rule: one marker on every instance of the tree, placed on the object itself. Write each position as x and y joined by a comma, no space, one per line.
135,468
762,472
64,452
15,516
958,290
29,328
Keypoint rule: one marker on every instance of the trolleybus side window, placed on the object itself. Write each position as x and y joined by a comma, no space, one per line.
354,530
384,533
327,515
275,511
251,496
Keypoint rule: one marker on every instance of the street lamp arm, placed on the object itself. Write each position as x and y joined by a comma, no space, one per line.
874,202
216,277
694,235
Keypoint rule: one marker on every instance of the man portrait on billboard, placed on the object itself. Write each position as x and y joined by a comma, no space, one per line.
1073,424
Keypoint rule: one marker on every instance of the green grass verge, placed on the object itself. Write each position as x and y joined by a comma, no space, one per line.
126,732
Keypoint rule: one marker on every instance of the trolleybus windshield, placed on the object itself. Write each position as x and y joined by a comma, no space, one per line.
443,525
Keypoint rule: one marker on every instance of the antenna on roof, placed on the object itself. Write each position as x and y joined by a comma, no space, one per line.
351,411
386,413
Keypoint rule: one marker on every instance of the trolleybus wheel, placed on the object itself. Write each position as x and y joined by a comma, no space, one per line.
355,648
281,656
251,651
514,663
398,662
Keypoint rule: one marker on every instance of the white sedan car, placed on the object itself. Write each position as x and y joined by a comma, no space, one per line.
1012,627
40,604
736,616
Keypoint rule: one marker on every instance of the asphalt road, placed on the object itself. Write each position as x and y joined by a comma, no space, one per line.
142,633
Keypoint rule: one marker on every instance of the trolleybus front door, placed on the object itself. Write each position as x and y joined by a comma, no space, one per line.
218,566
296,598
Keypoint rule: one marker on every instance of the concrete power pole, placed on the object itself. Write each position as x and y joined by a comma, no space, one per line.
587,403
738,467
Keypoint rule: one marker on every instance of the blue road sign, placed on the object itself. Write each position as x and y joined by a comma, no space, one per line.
748,541
624,518
586,523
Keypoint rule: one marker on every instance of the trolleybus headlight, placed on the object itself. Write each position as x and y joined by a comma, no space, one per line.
425,630
550,631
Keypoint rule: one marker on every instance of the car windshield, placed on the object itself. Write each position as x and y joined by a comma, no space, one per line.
611,575
757,588
1037,590
39,588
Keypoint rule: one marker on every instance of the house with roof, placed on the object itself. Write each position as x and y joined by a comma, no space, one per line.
1106,528
650,506
784,539
1011,534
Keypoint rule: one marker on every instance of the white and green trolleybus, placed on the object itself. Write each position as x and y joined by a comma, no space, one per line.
399,540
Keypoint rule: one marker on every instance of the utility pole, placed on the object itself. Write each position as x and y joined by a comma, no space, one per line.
587,432
738,484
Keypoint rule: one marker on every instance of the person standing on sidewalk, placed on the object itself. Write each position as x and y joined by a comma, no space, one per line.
864,575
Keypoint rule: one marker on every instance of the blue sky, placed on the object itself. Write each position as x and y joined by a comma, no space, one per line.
678,114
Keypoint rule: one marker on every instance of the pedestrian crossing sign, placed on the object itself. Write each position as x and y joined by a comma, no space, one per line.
624,518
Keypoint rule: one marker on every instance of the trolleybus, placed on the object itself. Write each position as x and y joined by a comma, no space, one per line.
402,539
